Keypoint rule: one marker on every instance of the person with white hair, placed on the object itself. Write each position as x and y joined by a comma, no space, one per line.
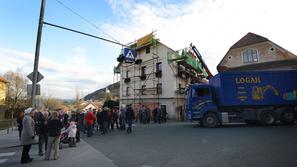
122,117
27,136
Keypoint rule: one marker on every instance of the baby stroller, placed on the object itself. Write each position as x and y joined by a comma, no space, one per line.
68,135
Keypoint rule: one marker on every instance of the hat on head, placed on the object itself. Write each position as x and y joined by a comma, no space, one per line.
28,110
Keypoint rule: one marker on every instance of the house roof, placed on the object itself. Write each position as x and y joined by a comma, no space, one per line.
249,39
3,80
273,65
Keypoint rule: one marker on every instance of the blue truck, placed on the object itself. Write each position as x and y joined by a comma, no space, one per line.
262,97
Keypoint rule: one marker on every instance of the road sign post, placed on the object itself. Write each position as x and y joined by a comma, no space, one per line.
37,50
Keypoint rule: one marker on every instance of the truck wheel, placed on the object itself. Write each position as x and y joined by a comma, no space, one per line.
267,117
287,117
210,120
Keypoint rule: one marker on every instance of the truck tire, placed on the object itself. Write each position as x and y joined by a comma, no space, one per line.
267,117
287,117
210,120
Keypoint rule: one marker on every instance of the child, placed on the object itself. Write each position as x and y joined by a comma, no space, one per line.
72,134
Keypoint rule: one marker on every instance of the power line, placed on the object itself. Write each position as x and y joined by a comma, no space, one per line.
79,32
86,20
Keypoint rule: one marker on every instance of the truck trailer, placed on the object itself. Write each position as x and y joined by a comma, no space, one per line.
264,97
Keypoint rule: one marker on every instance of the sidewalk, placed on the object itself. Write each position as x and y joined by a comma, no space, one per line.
10,139
81,155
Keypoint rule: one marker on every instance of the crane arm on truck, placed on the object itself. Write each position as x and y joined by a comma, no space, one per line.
198,55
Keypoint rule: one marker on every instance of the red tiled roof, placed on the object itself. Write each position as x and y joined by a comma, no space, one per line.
3,80
249,39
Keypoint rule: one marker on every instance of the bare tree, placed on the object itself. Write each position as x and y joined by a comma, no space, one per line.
52,103
78,101
16,95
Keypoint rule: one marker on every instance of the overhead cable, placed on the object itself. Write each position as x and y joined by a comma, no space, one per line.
86,20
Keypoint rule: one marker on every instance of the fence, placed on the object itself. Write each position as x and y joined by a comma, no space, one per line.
7,123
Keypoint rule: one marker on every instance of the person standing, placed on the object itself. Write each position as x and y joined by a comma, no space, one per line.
122,117
109,118
66,120
114,119
158,112
54,130
90,120
129,118
105,120
164,115
27,136
78,125
20,123
42,132
99,121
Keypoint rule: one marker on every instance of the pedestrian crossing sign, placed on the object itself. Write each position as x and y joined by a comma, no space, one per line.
130,55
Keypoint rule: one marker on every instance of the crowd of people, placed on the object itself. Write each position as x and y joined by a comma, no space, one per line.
56,128
49,127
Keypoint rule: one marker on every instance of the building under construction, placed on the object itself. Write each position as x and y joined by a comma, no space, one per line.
159,75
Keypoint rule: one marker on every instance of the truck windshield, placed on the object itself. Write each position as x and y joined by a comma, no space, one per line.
200,92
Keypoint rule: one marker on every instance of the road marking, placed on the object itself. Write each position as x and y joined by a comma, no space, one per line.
7,154
3,161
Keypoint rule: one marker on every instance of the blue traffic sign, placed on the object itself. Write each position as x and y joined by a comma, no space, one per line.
130,55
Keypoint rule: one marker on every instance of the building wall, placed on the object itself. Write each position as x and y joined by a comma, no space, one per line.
3,90
169,81
267,51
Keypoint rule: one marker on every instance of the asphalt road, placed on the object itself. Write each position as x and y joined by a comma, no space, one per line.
188,144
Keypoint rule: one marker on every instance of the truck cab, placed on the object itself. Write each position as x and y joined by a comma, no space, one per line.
201,105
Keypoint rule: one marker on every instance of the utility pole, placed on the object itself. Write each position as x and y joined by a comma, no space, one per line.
37,50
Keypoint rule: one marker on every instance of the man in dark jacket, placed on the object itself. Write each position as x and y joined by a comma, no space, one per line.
54,130
129,118
42,132
99,121
114,119
105,120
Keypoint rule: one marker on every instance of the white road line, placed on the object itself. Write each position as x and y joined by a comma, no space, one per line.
7,154
2,161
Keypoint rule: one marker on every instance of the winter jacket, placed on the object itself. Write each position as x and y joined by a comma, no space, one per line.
72,130
130,114
104,116
90,118
27,136
123,113
54,127
41,123
99,116
114,116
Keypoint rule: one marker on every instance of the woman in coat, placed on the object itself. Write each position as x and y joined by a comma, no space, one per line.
27,136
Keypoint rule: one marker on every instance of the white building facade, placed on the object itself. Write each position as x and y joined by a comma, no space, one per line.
153,81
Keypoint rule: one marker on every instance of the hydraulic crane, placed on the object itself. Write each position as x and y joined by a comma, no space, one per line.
198,55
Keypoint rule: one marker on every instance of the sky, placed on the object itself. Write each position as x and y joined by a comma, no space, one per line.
72,62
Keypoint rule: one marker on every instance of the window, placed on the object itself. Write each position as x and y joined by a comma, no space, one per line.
159,67
143,89
200,92
147,50
143,70
250,56
127,74
127,91
159,88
